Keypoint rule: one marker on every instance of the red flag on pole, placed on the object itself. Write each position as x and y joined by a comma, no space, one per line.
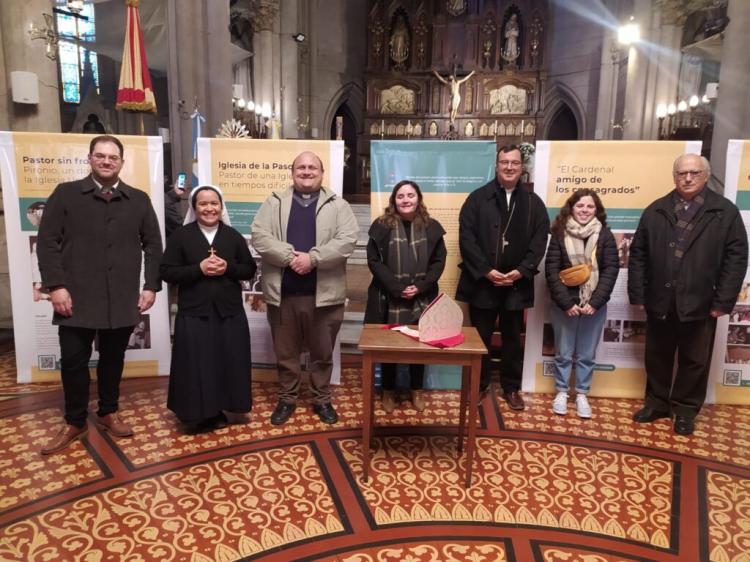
135,91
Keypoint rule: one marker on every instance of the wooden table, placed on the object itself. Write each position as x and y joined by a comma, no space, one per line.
386,346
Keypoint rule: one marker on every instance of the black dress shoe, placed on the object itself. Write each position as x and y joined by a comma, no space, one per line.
219,421
193,428
647,414
283,412
514,400
326,413
684,425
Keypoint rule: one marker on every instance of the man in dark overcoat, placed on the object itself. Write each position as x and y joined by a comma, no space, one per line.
687,263
503,236
92,238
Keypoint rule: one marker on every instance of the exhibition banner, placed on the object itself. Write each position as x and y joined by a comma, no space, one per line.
31,166
729,382
248,171
446,172
627,176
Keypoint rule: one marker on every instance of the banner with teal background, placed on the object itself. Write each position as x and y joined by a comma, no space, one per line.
446,171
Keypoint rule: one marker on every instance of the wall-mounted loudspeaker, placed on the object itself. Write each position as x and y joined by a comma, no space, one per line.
25,86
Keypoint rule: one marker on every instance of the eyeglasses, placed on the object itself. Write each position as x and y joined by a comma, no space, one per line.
684,174
101,157
510,163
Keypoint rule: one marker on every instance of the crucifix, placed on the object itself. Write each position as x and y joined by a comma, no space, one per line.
211,251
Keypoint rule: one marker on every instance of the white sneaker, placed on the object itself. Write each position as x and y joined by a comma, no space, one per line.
583,408
560,404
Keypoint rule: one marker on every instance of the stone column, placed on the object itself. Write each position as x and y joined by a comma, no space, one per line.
666,69
263,21
317,106
608,85
732,116
289,69
636,105
199,71
19,52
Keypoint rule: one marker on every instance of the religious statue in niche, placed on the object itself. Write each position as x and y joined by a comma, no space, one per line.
511,50
400,42
420,32
376,28
455,86
433,129
507,99
536,31
397,99
469,129
489,28
455,7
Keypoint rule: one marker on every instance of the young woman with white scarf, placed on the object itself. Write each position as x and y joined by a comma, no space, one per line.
579,236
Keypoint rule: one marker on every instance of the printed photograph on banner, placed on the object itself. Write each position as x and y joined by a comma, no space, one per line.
612,332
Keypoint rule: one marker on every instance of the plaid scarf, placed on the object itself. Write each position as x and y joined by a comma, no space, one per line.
407,259
580,253
685,212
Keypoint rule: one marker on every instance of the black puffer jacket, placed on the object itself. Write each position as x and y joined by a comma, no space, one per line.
609,267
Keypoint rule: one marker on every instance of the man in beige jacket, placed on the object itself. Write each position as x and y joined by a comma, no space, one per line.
304,236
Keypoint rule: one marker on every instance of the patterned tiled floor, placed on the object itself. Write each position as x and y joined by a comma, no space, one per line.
545,488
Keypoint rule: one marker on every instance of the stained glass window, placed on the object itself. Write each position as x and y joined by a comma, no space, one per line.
76,30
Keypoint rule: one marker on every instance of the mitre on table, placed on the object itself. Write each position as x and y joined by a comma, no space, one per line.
441,320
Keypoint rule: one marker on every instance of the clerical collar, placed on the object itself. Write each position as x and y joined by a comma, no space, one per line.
508,192
305,199
100,186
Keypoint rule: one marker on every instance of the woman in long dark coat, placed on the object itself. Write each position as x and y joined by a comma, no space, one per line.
406,255
210,370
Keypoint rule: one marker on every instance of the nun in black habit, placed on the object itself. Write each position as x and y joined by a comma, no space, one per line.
210,370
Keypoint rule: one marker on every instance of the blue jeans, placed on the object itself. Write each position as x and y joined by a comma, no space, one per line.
576,336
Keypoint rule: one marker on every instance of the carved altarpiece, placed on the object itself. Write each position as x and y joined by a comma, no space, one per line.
502,41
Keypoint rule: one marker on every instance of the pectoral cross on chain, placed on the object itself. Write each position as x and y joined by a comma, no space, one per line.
211,251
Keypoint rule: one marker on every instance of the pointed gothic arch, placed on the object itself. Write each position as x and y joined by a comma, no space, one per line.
563,103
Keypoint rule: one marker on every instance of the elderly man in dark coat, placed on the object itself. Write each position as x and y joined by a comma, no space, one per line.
502,235
93,234
687,263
